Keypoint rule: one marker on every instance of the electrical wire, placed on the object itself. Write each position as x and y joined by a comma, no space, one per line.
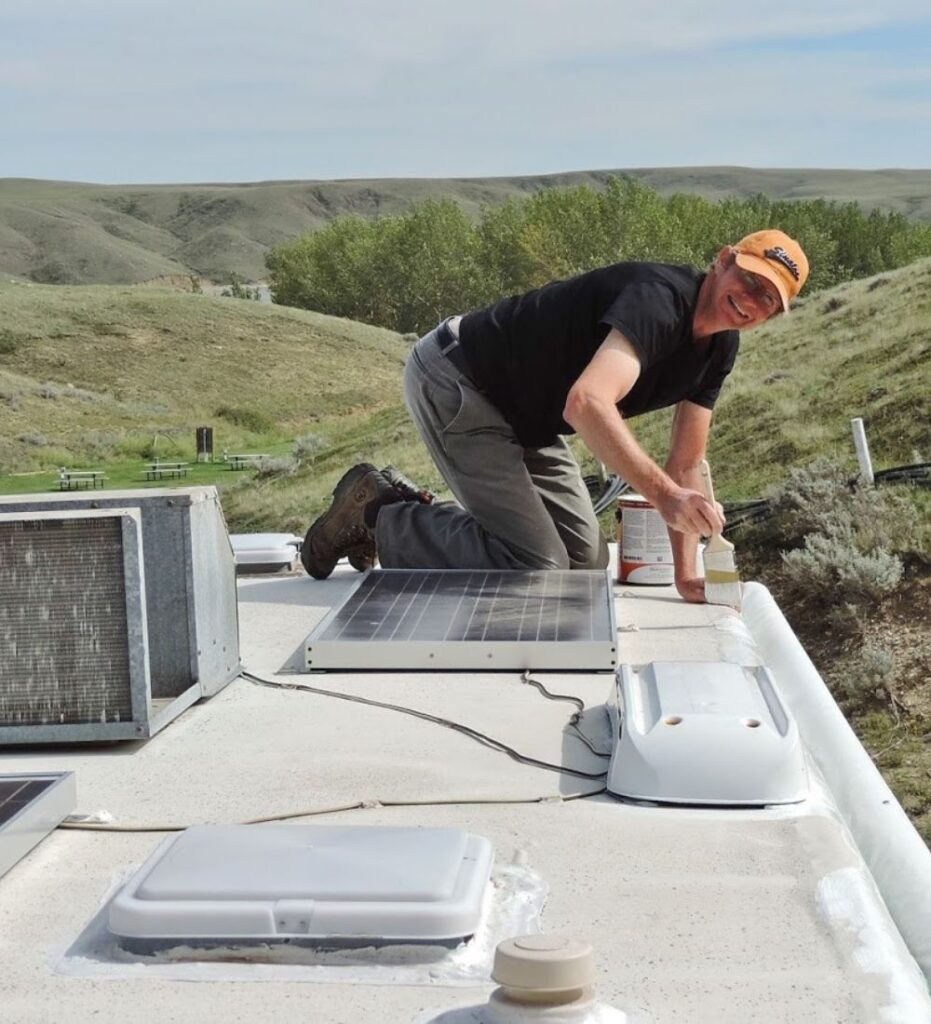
368,804
526,677
575,719
447,723
359,805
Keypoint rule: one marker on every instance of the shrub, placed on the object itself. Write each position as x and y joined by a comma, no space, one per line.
870,675
307,448
9,342
269,469
248,419
822,498
236,289
831,570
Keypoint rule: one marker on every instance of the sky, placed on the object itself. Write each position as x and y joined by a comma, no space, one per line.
122,91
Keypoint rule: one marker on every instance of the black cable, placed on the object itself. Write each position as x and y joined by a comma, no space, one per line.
577,701
575,719
358,805
465,730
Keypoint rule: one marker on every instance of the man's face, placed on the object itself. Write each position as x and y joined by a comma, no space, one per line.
743,299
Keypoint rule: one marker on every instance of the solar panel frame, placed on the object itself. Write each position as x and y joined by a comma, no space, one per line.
52,796
479,620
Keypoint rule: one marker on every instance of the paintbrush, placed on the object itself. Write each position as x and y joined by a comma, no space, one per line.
722,584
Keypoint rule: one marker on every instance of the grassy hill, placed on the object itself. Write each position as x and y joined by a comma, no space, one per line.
111,376
74,233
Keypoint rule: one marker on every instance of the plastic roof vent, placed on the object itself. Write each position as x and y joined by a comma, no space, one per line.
264,552
323,884
704,733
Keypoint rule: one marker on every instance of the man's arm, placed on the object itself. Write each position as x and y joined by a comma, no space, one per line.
591,409
690,428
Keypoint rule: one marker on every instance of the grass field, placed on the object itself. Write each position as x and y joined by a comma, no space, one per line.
112,377
75,233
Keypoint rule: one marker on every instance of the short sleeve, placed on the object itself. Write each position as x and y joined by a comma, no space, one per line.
649,316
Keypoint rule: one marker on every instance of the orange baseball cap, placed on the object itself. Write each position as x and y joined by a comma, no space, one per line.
778,258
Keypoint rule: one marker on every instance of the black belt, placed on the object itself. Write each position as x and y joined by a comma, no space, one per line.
450,347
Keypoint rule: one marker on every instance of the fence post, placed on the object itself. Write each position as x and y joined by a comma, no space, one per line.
863,450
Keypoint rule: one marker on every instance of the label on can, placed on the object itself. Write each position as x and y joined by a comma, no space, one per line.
644,554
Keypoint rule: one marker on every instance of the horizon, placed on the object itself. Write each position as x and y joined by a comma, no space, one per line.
218,183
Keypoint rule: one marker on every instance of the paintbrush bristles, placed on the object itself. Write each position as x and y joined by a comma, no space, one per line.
722,581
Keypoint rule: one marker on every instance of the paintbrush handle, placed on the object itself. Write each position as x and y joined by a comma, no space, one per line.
716,542
704,471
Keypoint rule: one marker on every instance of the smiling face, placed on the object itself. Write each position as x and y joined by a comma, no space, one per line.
735,299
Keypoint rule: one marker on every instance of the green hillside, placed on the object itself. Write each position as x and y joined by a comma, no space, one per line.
73,233
110,376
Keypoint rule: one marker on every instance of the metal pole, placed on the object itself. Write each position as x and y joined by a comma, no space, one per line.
863,450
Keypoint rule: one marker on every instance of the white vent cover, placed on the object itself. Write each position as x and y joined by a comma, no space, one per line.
704,733
264,551
342,885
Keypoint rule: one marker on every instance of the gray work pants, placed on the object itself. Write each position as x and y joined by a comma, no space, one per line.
519,508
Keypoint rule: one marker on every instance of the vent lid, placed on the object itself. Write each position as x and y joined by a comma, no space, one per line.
472,620
704,733
261,883
256,552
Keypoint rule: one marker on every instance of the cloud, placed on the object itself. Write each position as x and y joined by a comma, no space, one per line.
429,87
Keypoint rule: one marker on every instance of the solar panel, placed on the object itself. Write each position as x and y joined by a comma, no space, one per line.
15,794
461,619
31,805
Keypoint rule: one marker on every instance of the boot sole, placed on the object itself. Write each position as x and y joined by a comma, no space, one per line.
321,570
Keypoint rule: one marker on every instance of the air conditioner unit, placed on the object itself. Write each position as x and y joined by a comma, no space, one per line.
177,628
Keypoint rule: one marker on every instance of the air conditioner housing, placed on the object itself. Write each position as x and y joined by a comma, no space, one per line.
181,633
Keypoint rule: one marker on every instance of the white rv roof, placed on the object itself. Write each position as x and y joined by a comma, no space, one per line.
694,914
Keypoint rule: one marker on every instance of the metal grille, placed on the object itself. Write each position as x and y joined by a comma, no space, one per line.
64,654
419,618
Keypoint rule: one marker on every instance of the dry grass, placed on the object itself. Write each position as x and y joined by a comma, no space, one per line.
98,372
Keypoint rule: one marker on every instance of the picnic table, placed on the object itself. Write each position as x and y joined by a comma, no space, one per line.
74,479
244,461
158,470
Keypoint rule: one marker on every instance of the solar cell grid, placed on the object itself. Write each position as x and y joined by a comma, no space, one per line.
459,605
442,609
15,794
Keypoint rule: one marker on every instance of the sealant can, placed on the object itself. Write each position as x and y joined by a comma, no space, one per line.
644,554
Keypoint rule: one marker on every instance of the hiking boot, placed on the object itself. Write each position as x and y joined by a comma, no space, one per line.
406,488
365,555
346,528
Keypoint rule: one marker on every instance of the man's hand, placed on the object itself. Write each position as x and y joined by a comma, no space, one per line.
691,590
689,512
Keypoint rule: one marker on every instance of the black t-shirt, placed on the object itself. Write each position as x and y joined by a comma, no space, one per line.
525,352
